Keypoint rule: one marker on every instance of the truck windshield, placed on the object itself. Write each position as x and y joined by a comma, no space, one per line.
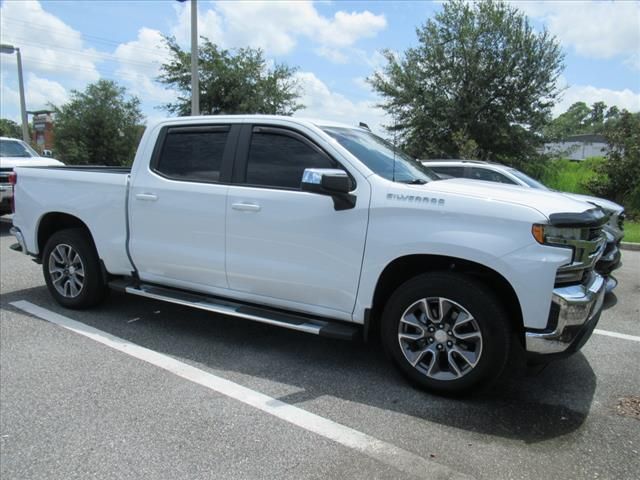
381,156
16,148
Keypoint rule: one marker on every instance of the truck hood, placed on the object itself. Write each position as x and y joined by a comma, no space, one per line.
546,202
606,205
12,162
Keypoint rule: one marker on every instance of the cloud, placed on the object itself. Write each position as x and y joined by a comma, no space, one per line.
590,94
209,24
325,104
594,29
26,25
276,26
139,66
40,92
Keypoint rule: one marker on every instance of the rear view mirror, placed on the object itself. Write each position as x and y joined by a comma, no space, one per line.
331,182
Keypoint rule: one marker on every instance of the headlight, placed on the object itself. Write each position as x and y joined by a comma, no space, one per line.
550,235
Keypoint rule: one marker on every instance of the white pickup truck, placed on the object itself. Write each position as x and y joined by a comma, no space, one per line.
326,229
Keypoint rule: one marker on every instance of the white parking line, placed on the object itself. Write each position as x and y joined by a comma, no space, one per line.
403,460
624,336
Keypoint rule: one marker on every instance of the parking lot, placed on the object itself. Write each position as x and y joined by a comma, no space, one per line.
217,397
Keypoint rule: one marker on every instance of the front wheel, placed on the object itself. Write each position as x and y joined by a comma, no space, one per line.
72,269
446,332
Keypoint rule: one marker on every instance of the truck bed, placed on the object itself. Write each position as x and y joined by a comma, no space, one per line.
94,194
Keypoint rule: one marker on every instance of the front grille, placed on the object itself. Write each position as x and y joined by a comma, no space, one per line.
586,252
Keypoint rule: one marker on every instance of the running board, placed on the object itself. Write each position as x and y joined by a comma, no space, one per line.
292,321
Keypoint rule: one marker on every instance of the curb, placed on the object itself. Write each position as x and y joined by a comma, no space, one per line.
630,246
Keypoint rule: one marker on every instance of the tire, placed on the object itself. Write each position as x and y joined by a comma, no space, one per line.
440,359
72,271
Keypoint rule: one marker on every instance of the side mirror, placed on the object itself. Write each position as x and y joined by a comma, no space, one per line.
47,153
331,182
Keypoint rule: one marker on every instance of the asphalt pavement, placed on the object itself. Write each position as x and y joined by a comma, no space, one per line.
73,407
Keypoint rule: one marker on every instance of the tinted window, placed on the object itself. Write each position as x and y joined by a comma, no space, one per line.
194,156
279,160
489,176
456,172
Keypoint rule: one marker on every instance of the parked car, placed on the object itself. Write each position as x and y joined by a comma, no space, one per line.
326,229
14,153
496,172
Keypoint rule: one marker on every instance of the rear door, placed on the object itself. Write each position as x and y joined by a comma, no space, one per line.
177,207
287,247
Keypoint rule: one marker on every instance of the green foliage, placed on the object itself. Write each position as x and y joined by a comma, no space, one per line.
619,175
9,128
632,232
580,119
479,73
237,81
571,176
99,126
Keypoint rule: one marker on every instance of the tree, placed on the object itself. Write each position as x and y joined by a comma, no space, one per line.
9,128
572,122
479,72
619,176
99,126
237,81
579,118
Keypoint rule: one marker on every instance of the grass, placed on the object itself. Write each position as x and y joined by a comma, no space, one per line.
631,232
568,176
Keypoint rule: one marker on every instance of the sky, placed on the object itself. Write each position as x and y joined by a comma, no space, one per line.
335,45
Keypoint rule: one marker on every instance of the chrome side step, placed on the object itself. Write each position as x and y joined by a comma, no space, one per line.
292,321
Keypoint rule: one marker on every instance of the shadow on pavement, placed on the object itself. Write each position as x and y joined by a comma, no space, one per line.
531,409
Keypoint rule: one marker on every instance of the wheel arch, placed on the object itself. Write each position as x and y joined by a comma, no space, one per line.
404,268
53,222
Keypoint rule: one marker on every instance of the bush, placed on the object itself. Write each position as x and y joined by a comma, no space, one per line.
618,176
571,176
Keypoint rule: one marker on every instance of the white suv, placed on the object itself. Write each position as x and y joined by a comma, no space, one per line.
496,172
16,153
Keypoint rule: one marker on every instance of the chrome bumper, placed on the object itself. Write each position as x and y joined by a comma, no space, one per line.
574,312
20,238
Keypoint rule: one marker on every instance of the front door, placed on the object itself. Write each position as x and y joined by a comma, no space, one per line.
292,248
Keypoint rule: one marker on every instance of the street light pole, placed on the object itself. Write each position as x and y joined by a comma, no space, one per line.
195,84
23,109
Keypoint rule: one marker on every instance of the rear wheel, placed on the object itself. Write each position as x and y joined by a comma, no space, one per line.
72,269
446,332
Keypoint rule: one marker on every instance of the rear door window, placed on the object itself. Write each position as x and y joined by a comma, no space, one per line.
456,172
487,175
193,154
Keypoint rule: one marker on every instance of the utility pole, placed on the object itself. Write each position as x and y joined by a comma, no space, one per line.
195,84
23,109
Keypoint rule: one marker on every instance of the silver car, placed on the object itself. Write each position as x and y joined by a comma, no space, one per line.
496,172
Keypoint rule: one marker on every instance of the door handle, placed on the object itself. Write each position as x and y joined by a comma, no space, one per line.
246,207
151,197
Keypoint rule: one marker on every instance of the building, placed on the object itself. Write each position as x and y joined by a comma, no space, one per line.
42,129
578,147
